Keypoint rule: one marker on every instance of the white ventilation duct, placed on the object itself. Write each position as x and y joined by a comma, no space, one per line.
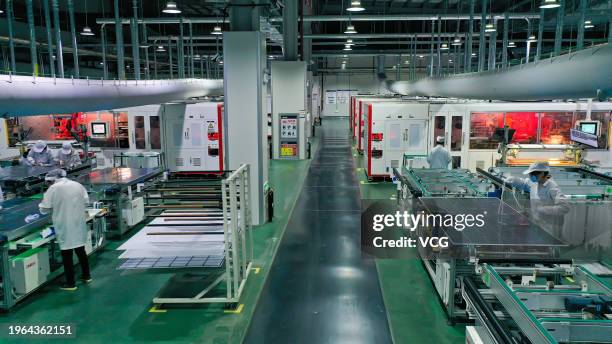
583,74
26,95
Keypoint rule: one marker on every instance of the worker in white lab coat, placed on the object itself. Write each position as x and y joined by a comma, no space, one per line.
548,205
40,155
439,157
67,200
67,157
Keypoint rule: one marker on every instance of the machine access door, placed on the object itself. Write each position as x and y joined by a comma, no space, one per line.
451,127
145,131
414,136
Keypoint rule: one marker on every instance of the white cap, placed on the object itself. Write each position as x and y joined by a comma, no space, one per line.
39,146
538,166
440,139
66,148
55,174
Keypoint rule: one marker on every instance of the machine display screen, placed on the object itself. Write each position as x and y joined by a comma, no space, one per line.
589,127
98,129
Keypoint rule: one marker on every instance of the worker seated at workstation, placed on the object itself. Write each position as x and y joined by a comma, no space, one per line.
39,155
68,157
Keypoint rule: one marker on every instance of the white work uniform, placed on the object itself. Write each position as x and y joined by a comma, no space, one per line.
67,199
45,157
439,157
68,160
548,204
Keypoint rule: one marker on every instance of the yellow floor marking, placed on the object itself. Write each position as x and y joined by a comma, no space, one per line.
154,309
362,182
569,279
235,311
359,168
256,270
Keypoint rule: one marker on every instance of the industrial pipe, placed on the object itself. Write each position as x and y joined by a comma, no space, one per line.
9,20
482,42
22,97
103,43
559,32
75,50
119,40
59,55
540,36
180,55
49,38
327,18
135,44
582,74
32,34
469,43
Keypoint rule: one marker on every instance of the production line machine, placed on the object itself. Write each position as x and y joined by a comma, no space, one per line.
200,230
29,180
29,255
540,303
120,190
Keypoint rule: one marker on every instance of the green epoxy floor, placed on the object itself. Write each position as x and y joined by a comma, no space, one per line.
413,309
116,306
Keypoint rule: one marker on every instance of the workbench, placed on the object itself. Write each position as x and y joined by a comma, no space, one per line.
29,255
118,189
27,180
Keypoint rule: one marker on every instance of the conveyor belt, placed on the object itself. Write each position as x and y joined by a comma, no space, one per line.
319,289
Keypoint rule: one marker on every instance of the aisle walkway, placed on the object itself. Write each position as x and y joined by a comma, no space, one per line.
319,289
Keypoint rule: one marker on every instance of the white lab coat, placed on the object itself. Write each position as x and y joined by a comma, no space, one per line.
67,200
43,158
68,160
439,157
548,204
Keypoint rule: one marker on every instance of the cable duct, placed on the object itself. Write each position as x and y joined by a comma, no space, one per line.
26,95
582,74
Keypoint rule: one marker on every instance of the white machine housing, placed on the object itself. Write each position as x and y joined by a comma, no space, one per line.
361,116
194,137
392,129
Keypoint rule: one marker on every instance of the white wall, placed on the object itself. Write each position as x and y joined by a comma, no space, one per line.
363,83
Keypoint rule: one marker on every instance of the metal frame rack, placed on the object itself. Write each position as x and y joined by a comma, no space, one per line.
541,303
201,231
20,239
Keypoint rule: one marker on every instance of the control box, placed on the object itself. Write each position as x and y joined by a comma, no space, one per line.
291,137
30,270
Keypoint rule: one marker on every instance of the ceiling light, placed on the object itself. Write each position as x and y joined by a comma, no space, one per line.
350,29
450,61
531,38
490,27
355,6
160,48
407,62
511,44
344,55
456,41
221,62
421,56
347,48
1,11
473,54
349,42
588,24
217,30
550,4
87,31
444,46
171,8
196,57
